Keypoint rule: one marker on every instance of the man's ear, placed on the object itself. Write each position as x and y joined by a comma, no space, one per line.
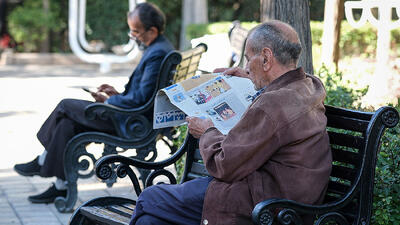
268,57
152,34
154,31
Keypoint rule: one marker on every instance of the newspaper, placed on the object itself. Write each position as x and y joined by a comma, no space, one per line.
221,98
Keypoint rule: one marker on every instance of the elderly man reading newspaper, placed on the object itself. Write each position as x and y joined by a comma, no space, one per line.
278,149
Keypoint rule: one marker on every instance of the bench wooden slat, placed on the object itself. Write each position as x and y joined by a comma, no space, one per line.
347,123
104,215
345,156
120,209
129,206
346,140
199,168
343,173
337,188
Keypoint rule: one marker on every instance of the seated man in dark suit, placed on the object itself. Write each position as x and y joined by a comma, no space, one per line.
146,23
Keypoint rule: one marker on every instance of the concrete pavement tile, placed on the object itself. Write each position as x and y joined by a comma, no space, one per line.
8,221
22,121
62,217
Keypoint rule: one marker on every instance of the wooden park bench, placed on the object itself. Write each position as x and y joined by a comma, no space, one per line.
237,38
354,138
79,162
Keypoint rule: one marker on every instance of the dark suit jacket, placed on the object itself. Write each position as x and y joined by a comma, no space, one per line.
143,80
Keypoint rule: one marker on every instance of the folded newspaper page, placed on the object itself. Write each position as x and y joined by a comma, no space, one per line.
221,98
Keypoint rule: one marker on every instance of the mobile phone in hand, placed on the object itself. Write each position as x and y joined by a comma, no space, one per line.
87,89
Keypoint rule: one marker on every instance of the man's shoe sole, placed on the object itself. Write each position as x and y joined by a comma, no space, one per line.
41,201
26,174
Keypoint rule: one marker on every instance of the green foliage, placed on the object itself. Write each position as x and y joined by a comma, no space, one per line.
106,22
180,164
355,42
29,24
338,91
198,30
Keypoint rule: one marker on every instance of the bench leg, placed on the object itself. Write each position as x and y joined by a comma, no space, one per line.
66,205
79,163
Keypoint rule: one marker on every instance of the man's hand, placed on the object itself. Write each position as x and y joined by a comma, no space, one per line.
99,97
198,126
108,89
236,71
220,70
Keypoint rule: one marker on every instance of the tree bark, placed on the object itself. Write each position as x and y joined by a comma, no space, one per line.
45,44
333,15
297,14
193,12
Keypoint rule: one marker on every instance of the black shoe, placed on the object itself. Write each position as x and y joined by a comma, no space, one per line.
28,169
48,196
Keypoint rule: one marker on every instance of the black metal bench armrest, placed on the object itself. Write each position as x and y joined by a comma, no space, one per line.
290,212
108,111
104,171
136,124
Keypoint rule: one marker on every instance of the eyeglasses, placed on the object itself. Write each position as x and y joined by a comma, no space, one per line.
133,37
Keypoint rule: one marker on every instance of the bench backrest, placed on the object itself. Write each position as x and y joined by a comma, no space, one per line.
177,66
237,38
355,140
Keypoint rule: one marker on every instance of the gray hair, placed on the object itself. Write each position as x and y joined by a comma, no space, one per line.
269,35
150,16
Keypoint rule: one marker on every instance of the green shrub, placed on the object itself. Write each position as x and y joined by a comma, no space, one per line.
28,24
338,92
180,164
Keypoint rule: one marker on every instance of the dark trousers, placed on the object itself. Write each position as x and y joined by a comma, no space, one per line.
67,120
167,204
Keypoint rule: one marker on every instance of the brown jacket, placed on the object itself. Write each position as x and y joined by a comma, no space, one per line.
279,149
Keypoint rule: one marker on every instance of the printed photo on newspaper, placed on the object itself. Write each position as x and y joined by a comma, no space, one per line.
221,98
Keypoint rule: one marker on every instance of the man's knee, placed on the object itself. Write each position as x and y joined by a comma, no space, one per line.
149,193
65,102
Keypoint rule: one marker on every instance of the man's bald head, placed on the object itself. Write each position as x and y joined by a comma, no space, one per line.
280,37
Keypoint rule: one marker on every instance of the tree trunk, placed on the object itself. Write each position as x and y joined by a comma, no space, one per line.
45,44
334,11
193,12
297,14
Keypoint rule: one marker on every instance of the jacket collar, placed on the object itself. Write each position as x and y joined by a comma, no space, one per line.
286,78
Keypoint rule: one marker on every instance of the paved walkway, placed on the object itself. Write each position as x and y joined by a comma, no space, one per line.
28,95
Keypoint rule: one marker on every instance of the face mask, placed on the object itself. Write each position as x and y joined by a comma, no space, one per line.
142,46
